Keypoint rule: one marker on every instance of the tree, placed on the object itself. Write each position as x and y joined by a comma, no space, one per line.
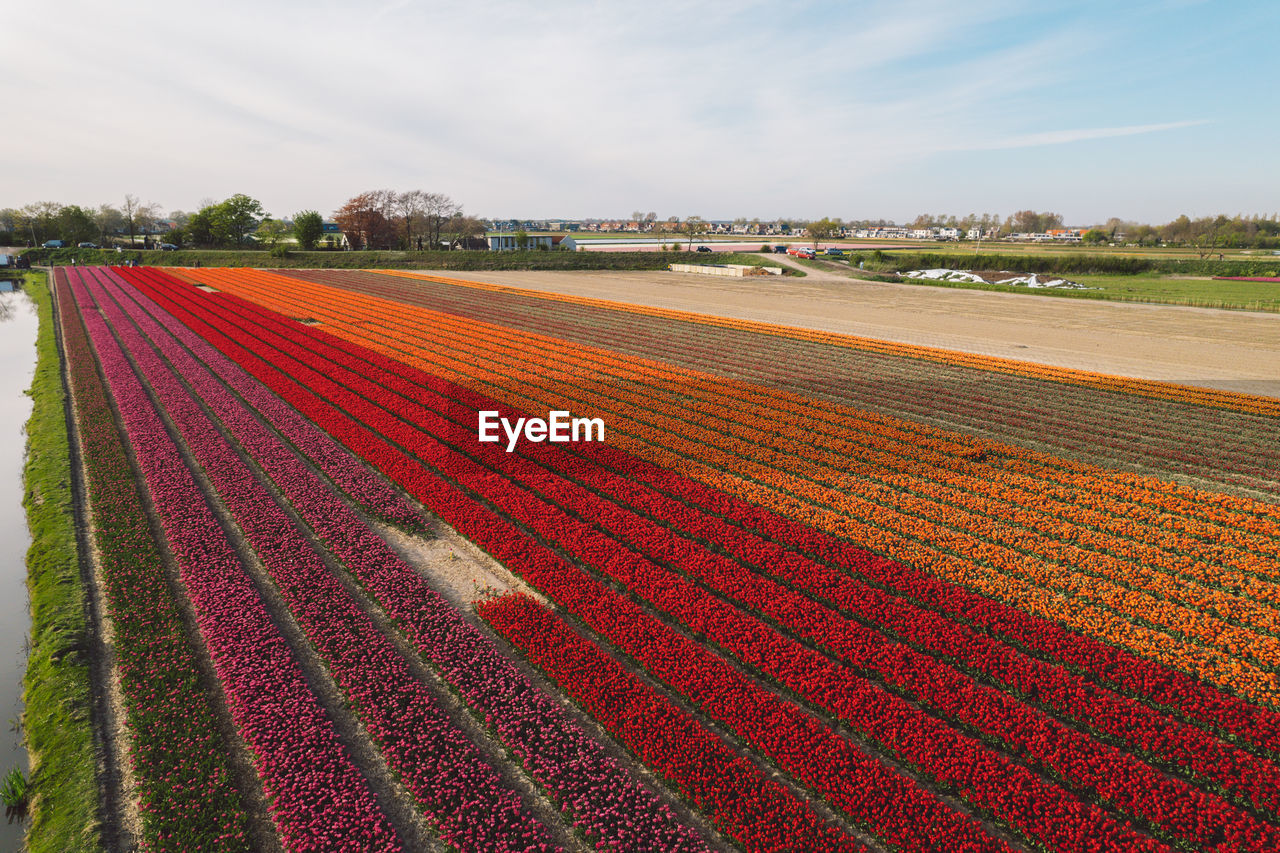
202,228
365,221
1095,236
694,225
308,228
239,215
130,210
75,224
411,208
109,221
438,209
522,239
822,230
271,231
463,228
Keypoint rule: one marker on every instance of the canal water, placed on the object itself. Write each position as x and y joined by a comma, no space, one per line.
18,324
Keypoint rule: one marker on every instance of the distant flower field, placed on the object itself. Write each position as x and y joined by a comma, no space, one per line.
813,592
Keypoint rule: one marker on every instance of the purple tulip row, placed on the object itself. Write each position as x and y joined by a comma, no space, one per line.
186,796
316,795
437,762
602,800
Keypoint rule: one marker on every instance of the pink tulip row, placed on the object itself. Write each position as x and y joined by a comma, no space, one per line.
186,796
436,761
602,800
316,795
1179,809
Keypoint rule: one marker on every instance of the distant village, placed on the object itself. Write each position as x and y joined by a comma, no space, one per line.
777,228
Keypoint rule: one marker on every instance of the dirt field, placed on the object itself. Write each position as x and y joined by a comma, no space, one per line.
1238,351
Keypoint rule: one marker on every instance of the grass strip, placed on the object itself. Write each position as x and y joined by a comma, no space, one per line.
57,723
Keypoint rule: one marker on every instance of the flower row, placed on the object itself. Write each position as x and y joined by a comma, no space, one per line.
316,795
186,795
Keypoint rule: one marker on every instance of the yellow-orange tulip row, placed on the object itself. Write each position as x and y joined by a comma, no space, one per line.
925,533
1165,390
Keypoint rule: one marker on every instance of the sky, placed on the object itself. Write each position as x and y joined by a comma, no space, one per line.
584,108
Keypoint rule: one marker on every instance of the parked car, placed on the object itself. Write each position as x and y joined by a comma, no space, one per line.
168,247
55,244
836,252
705,249
779,249
87,246
807,254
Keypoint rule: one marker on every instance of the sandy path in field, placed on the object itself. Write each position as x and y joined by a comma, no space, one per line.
1233,350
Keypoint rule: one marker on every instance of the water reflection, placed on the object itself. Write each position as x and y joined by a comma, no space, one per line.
17,353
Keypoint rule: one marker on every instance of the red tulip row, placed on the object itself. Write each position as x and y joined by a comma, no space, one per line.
515,548
316,795
574,534
726,786
1082,761
179,758
598,795
436,761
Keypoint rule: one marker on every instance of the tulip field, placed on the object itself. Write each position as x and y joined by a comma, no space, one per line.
812,592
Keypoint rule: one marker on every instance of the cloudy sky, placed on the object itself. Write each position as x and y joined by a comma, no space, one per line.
1142,110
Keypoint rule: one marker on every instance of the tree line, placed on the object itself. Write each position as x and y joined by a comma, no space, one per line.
378,219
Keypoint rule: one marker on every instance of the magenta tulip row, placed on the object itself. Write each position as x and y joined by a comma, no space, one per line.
589,785
440,766
186,795
316,795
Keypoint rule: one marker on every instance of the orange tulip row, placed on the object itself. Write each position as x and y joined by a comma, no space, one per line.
1194,641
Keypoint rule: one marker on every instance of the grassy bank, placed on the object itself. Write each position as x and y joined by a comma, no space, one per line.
463,261
57,693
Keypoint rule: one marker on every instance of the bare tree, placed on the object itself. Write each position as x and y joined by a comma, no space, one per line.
411,209
694,225
130,210
438,209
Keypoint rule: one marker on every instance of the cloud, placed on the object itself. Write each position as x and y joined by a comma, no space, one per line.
1063,137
